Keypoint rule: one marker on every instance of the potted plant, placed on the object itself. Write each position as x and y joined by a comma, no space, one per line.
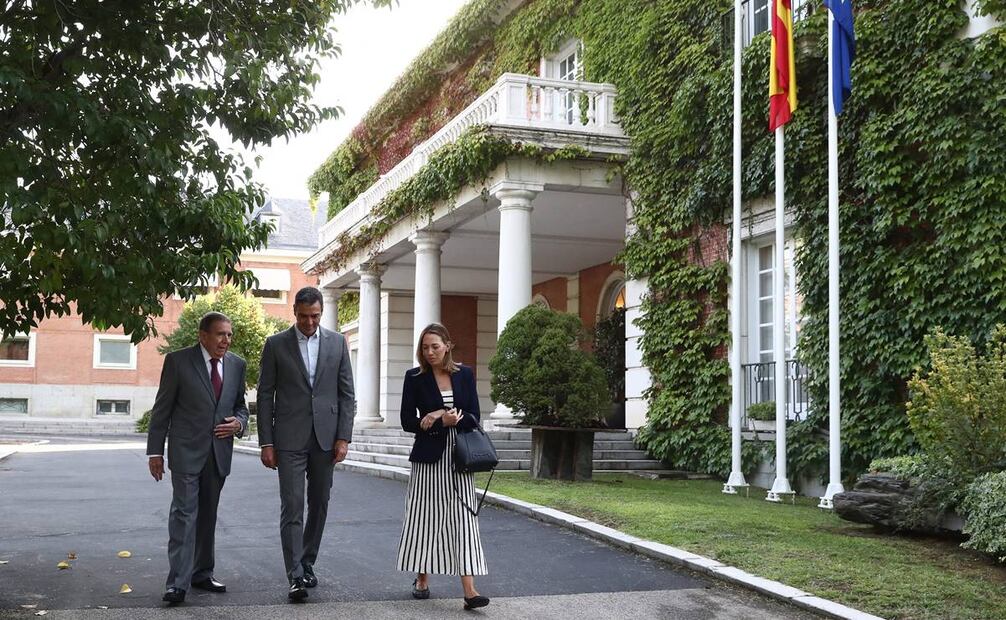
541,373
761,416
609,349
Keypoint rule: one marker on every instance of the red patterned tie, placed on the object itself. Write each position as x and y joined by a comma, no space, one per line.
218,383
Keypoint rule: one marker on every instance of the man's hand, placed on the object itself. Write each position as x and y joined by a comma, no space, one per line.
229,427
156,465
430,418
339,450
452,417
269,457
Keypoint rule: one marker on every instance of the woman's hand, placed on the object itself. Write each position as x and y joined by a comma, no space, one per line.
430,418
452,417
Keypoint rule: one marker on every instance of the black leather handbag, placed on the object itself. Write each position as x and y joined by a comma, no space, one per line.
474,452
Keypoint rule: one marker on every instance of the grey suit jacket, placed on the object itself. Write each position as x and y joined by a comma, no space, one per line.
288,406
185,411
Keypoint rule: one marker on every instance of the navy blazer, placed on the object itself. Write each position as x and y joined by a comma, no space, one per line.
420,395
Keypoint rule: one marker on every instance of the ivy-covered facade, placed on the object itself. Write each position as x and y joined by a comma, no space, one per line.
922,163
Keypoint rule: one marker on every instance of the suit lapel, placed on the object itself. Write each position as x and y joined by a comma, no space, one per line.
230,374
294,346
200,366
325,344
455,384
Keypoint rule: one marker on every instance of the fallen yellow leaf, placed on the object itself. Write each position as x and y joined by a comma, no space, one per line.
125,589
63,565
124,554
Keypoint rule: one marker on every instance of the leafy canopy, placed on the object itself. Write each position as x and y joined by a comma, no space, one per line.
115,191
250,324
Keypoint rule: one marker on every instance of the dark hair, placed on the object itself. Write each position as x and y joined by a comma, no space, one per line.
206,323
437,330
308,296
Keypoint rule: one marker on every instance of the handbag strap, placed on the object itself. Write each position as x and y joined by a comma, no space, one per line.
478,509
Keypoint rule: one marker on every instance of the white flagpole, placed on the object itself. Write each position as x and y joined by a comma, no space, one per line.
834,394
736,479
781,484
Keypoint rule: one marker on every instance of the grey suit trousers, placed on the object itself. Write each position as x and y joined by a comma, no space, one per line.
192,524
301,539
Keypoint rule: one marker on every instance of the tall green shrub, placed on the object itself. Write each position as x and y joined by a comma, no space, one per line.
958,408
540,371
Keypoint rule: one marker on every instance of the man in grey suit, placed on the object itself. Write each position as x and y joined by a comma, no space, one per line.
305,414
199,408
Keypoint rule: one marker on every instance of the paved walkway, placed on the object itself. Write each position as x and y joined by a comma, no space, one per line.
95,503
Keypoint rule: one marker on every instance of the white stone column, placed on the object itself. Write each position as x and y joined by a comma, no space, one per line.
369,356
330,311
514,288
426,309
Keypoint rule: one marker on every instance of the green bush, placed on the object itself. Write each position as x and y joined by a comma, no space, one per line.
541,373
907,466
984,507
958,410
762,411
143,423
249,321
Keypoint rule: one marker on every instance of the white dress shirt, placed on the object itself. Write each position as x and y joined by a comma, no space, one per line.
308,346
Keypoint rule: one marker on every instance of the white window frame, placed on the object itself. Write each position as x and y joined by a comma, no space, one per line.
96,353
609,292
28,363
749,12
98,401
541,300
752,299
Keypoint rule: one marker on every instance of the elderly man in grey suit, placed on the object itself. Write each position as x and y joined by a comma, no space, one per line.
305,414
199,408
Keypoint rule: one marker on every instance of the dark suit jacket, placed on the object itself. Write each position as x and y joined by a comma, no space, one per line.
420,395
289,407
185,411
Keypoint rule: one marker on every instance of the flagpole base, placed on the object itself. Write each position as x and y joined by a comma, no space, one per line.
829,494
779,487
735,481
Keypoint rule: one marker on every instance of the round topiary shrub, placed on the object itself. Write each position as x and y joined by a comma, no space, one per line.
542,374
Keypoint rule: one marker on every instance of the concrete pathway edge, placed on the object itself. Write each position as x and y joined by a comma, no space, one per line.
655,550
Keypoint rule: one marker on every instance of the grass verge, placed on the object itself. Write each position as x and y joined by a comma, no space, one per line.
799,545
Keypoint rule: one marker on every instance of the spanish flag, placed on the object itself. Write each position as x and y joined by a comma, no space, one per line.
782,67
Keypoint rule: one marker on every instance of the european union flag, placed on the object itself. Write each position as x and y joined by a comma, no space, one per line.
843,50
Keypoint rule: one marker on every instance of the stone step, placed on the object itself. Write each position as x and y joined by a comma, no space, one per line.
67,426
622,465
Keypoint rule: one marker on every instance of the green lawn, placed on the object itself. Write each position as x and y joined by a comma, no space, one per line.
799,545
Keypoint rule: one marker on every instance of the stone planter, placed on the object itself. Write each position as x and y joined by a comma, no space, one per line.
761,426
562,453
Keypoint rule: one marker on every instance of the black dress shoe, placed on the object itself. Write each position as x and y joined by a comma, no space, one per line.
210,585
476,601
174,596
298,591
310,580
421,594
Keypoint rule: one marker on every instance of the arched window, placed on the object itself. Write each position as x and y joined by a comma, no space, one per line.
612,295
540,300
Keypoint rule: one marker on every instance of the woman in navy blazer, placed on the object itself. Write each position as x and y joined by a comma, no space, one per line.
441,532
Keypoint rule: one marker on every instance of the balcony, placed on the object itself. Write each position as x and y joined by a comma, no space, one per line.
759,387
553,113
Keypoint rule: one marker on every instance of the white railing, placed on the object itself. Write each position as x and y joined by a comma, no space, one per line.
515,100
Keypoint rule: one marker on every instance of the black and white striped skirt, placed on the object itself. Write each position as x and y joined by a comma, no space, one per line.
439,536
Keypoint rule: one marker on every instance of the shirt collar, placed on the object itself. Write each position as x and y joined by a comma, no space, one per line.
206,355
302,337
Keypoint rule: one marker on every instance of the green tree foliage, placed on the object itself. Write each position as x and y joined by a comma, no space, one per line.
541,373
250,323
115,191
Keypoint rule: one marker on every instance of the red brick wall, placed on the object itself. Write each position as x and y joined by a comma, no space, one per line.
459,314
554,291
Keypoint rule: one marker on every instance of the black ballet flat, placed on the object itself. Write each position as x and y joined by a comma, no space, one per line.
476,601
420,594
